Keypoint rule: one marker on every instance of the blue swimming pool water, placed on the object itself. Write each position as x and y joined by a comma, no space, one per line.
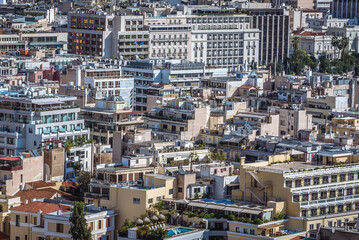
176,231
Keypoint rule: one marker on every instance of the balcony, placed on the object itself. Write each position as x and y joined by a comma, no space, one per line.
336,200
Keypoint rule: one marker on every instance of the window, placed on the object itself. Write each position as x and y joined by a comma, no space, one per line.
238,229
100,224
304,213
59,228
311,226
18,220
316,181
334,178
325,179
136,201
296,198
25,219
170,192
298,183
330,223
307,182
150,200
342,177
158,199
245,230
314,196
305,197
251,231
288,184
179,189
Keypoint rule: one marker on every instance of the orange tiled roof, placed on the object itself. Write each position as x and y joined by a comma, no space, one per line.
43,193
41,184
69,184
10,158
246,86
34,207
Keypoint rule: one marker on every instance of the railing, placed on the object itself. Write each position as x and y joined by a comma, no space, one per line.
329,200
10,168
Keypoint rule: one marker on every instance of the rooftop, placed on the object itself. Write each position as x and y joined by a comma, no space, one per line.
44,207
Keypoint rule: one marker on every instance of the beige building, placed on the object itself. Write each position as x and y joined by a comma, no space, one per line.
129,202
15,172
49,220
311,195
7,202
293,120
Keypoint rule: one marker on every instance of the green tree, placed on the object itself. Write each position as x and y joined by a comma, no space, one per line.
342,45
79,229
324,64
335,44
157,234
298,60
296,43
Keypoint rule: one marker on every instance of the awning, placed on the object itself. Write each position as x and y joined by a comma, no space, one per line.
216,207
271,226
195,204
251,211
232,209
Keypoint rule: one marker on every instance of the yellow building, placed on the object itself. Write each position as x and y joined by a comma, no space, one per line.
314,195
7,202
49,220
130,202
343,126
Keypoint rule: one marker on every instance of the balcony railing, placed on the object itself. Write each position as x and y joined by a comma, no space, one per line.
321,202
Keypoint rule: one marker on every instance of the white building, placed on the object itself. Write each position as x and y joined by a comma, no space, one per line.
322,24
30,117
81,156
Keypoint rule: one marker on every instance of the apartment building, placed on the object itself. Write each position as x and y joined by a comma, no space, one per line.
315,194
11,43
78,157
181,74
343,126
132,37
224,40
109,174
57,40
180,119
345,8
31,116
111,82
274,38
15,172
293,120
90,32
129,202
170,41
49,219
7,202
158,94
109,115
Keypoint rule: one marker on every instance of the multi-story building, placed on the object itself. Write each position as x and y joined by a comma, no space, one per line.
314,194
224,40
11,43
183,75
349,31
15,172
322,5
90,32
111,82
170,41
345,8
159,94
132,37
305,4
49,219
293,120
274,38
57,40
110,115
30,117
180,119
78,157
315,43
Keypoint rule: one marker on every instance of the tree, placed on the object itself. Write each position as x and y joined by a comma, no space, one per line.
298,60
296,43
157,234
324,64
335,44
79,229
342,45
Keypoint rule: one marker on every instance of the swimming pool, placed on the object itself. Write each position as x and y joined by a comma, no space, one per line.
176,231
